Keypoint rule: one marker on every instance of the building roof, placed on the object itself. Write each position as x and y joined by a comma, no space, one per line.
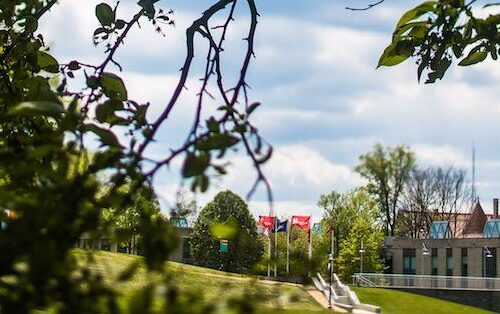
179,222
492,229
440,230
462,225
476,221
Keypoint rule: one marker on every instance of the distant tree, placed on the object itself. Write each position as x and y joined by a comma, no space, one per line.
386,169
364,231
123,223
226,217
342,210
339,213
432,193
185,207
418,203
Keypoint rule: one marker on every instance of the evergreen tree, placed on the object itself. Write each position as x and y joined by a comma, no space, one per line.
226,218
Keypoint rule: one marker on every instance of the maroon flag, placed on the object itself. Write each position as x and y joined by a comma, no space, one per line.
303,222
266,222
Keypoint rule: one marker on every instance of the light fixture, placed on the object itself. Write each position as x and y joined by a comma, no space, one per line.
425,250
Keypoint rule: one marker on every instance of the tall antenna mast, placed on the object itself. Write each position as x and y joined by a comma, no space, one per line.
473,173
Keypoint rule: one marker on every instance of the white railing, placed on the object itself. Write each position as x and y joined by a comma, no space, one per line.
426,282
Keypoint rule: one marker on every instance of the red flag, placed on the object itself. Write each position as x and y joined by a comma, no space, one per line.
266,222
303,222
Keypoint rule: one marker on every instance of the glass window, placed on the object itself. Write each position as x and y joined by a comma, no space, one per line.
440,230
491,263
449,262
409,261
465,263
434,261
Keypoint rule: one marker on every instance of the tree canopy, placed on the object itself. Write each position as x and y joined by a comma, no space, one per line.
387,170
355,217
226,217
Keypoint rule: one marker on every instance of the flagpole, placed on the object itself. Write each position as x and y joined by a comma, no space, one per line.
275,246
287,248
269,259
310,247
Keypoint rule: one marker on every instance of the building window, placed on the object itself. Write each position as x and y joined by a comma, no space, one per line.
491,263
449,262
465,263
409,261
434,262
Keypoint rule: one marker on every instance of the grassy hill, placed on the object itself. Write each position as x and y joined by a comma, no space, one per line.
210,285
395,302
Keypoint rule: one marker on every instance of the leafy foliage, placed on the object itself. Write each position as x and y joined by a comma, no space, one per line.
226,218
347,212
47,177
387,170
349,257
439,31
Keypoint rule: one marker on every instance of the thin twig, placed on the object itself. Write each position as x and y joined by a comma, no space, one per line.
368,7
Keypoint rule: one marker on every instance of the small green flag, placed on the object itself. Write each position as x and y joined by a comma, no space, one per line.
224,246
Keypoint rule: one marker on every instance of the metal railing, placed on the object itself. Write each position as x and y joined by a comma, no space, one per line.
426,282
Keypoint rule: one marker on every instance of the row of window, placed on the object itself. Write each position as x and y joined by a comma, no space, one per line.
489,262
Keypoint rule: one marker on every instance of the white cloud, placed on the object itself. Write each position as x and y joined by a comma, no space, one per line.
441,156
324,103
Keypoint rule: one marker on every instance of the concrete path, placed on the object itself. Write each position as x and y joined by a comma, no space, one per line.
321,299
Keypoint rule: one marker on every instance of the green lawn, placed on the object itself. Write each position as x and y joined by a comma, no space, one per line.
395,302
212,286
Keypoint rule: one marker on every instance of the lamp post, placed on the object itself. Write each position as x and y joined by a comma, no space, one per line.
361,251
425,252
330,265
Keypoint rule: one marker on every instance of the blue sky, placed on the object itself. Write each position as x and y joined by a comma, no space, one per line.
324,103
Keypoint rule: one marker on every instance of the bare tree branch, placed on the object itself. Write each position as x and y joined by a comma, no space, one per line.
368,7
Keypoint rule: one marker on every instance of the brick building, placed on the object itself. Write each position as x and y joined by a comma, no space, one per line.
470,251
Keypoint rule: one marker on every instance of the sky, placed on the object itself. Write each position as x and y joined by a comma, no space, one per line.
324,103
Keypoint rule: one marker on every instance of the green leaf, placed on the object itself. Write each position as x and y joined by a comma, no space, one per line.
140,114
148,6
252,107
429,6
30,24
101,30
203,182
107,137
473,58
224,231
129,272
120,24
47,63
113,86
213,125
217,141
35,108
441,68
391,57
195,164
105,14
74,65
105,112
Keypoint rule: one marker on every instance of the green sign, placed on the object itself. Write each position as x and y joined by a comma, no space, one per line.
224,246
